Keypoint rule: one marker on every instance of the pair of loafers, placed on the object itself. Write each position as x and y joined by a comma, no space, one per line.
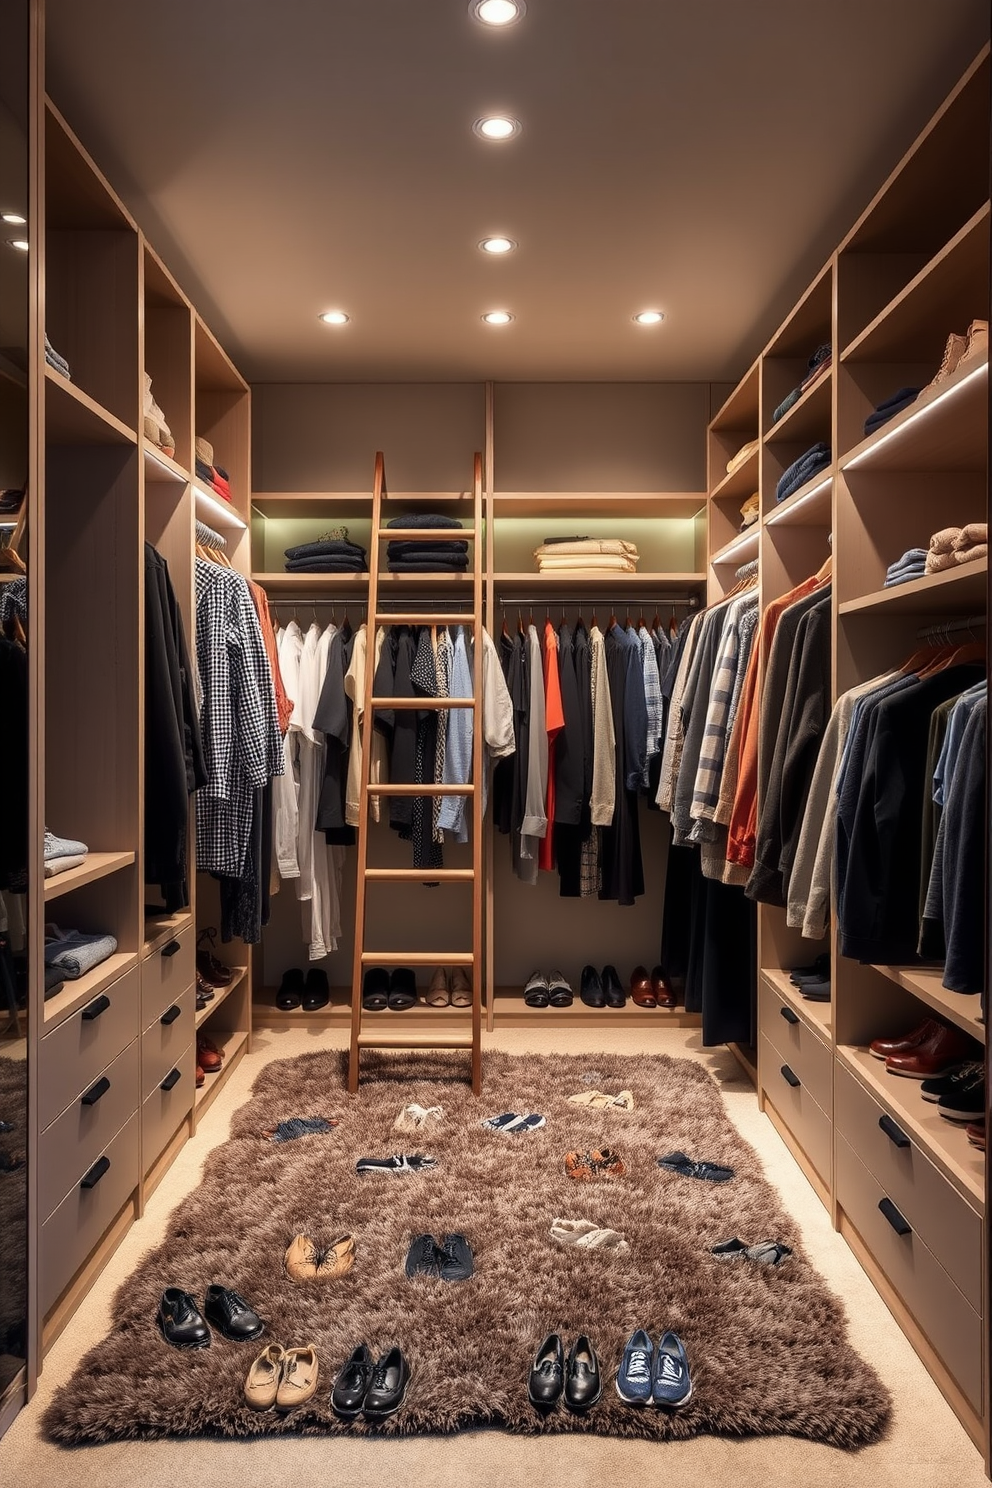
602,991
578,1381
309,993
383,989
547,991
183,1325
371,1388
651,991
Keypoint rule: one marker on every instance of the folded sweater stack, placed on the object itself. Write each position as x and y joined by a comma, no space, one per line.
817,364
211,474
156,428
912,565
332,554
586,554
445,555
890,407
56,361
954,545
809,464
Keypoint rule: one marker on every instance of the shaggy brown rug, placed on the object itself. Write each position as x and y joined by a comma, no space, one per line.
767,1345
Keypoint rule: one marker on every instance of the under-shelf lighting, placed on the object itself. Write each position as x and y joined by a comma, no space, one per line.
496,128
871,451
497,12
733,550
14,218
788,507
221,511
21,244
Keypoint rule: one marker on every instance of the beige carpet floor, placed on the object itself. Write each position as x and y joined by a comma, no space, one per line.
925,1447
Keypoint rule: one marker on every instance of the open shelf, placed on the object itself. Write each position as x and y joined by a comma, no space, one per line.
740,410
281,504
231,1045
221,994
73,417
162,928
97,865
960,1008
935,594
810,506
808,418
638,504
589,578
75,994
934,303
740,549
510,1011
817,1014
945,429
943,1141
276,582
337,1013
740,483
161,467
215,511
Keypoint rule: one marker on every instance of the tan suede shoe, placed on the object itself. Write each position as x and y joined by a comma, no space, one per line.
461,988
298,1382
437,989
302,1258
308,1261
337,1259
262,1384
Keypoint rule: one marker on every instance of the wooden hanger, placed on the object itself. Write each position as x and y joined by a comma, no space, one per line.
826,569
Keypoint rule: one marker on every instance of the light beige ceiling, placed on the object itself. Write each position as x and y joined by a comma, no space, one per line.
699,156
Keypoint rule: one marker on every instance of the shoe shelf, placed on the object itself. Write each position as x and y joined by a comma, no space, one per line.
161,928
817,1015
941,298
945,429
943,1141
961,1008
221,994
810,506
97,865
73,417
266,1014
232,1046
510,1011
809,417
952,591
75,994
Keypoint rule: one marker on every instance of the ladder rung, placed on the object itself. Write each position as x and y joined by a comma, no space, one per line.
414,1040
423,875
418,958
427,789
426,534
417,703
466,617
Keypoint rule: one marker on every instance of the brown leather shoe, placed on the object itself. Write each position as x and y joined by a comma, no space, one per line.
201,1075
641,990
881,1048
937,1054
975,1132
664,996
208,1056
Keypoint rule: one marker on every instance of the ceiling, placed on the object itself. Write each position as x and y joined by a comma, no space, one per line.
698,156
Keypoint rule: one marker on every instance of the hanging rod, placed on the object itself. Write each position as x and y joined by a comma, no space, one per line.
975,624
552,601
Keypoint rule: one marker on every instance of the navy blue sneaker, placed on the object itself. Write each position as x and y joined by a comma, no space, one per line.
634,1374
670,1382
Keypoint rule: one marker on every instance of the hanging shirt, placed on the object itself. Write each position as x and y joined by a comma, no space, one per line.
535,821
652,699
554,722
604,761
286,787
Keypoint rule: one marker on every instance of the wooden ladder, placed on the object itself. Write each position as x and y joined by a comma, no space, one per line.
452,1031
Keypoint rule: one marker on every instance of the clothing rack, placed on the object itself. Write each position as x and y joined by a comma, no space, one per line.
974,624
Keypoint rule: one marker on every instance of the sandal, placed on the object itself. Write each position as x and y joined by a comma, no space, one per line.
461,988
437,989
375,989
402,989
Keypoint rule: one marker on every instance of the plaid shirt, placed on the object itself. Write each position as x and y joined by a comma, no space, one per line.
239,723
724,687
653,700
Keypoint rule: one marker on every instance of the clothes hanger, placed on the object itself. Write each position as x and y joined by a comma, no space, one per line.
826,570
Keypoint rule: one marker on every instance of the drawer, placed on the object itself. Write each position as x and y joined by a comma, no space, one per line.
944,1221
165,1040
797,1043
165,973
953,1327
164,1110
70,1234
72,1055
72,1144
807,1121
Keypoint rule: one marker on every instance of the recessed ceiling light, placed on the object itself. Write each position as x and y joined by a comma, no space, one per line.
13,217
497,245
649,317
21,243
497,128
497,12
497,317
334,317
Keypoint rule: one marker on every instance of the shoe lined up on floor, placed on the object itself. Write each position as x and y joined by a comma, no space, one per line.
451,1260
212,970
600,989
282,1378
930,1050
183,1325
654,1375
552,990
306,1260
375,1389
449,987
765,1252
396,989
209,1058
577,1382
310,992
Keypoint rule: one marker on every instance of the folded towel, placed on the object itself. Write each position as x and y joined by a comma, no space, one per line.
579,563
972,554
944,540
424,519
54,866
742,456
615,545
326,549
62,847
975,532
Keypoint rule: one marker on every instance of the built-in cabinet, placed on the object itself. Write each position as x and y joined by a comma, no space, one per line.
903,1184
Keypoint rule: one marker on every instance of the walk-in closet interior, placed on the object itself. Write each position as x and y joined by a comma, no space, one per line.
494,510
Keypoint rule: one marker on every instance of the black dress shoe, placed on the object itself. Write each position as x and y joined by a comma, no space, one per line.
389,1381
423,1258
290,993
591,988
402,989
613,989
231,1315
583,1381
547,1373
375,989
180,1321
455,1259
316,993
352,1383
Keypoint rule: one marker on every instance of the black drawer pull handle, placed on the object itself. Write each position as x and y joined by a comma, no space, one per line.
96,1092
172,1078
171,1014
790,1077
896,1220
171,949
96,1172
893,1132
789,1015
95,1008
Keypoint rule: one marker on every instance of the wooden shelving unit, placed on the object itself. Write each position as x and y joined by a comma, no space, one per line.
816,1014
97,865
926,983
233,1047
76,994
955,590
221,994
